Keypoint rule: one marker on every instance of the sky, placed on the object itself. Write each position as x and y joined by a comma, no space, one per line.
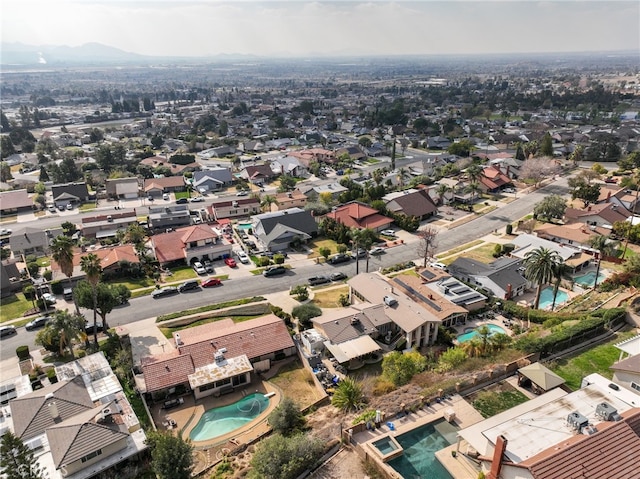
308,28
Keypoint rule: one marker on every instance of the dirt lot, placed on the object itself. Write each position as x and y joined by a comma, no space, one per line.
297,383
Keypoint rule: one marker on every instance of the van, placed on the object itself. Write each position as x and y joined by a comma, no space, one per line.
187,285
67,294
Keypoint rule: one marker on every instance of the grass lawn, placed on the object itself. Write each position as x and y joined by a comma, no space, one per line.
87,207
460,249
329,298
134,283
595,360
297,384
182,194
141,292
14,306
316,244
9,218
490,403
43,261
484,253
183,273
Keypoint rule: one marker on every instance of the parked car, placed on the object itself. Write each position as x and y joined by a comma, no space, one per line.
208,266
7,331
243,257
167,291
376,251
610,180
315,280
242,193
188,285
230,262
339,258
196,199
5,231
274,271
391,233
69,206
361,253
40,322
182,201
210,282
509,190
88,329
165,196
49,298
51,208
199,268
337,276
437,265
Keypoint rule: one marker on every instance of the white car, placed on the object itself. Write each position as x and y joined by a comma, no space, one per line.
509,190
242,193
436,265
165,196
388,232
5,232
376,251
49,298
243,257
199,268
196,199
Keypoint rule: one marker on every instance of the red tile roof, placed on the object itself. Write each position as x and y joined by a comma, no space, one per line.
109,256
162,183
358,215
170,246
170,371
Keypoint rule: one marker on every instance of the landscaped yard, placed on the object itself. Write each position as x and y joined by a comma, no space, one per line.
329,298
595,360
496,399
133,283
14,306
297,383
460,249
182,194
87,207
482,253
316,244
182,273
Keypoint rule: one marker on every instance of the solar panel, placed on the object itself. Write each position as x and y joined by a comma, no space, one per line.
426,274
415,293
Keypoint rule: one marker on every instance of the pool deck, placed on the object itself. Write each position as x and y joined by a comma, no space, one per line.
465,416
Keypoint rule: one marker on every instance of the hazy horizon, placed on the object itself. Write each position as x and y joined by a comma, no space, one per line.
331,29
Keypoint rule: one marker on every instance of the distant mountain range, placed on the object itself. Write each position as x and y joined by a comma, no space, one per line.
19,54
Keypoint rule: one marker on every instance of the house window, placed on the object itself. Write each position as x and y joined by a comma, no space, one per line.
233,212
193,244
246,210
206,387
635,386
91,455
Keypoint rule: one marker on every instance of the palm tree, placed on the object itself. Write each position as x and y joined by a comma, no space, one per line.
560,269
474,189
474,172
484,334
65,327
403,173
378,175
473,347
267,201
499,341
356,239
441,191
62,253
604,246
540,265
348,395
92,268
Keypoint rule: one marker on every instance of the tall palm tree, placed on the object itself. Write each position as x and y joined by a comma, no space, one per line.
61,249
267,201
356,239
560,269
403,174
540,265
474,189
441,191
474,172
92,268
64,326
605,246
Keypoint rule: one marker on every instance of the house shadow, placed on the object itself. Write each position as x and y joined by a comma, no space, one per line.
150,345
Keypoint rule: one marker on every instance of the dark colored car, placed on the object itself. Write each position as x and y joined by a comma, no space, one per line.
314,280
274,271
168,291
7,331
337,276
88,329
182,201
211,282
187,285
40,322
339,258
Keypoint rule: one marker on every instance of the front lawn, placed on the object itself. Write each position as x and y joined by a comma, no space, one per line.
182,194
460,249
595,360
133,283
329,298
87,207
316,244
182,273
43,261
14,306
483,253
490,403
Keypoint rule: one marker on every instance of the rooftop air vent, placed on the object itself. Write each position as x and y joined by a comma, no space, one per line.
607,412
577,421
390,300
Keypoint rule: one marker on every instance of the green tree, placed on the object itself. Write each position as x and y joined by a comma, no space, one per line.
348,395
399,368
560,269
6,146
364,141
107,297
324,252
551,207
91,266
605,247
279,457
305,312
171,456
540,265
266,201
451,359
301,292
64,328
62,253
287,183
546,147
17,461
588,193
286,418
577,155
461,148
5,172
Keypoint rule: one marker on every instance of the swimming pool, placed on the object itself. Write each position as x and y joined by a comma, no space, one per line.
588,279
470,333
546,297
221,420
244,226
420,446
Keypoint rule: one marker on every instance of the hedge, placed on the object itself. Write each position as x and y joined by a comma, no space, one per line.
56,287
22,352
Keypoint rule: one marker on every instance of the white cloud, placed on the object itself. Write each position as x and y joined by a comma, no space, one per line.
298,28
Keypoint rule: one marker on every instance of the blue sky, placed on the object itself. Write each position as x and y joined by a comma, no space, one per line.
294,28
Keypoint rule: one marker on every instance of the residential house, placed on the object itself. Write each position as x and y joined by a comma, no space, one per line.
290,199
32,241
602,214
14,201
107,226
493,180
126,188
80,426
70,193
171,216
574,258
574,234
503,278
156,187
319,155
438,143
426,166
216,358
9,277
276,230
353,152
110,260
251,146
626,371
258,174
313,192
289,165
457,190
411,202
236,207
222,151
560,435
358,215
175,168
212,179
189,244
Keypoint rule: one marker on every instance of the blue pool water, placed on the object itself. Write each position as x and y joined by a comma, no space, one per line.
546,297
471,333
221,420
588,279
385,446
244,226
420,445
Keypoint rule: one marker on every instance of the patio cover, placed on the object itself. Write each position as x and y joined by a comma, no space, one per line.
541,376
630,346
353,348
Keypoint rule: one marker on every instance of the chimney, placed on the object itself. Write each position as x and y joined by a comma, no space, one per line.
509,291
589,208
608,196
53,411
496,463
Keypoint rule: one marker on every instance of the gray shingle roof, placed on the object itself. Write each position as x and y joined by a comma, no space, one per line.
293,217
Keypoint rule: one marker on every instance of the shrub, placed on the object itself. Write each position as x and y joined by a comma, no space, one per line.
286,418
497,250
508,248
348,395
301,292
34,269
262,261
29,292
305,312
56,287
382,386
278,259
48,274
51,374
23,353
399,368
509,229
343,300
